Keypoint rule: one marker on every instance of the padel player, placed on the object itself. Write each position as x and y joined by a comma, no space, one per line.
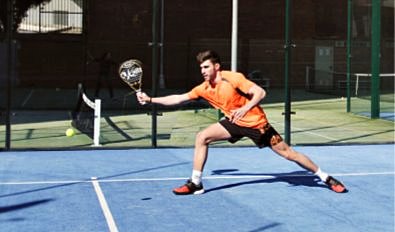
238,99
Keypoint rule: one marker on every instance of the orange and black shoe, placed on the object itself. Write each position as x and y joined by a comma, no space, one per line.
189,188
335,185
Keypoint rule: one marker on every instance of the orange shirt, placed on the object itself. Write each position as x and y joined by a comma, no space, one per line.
225,97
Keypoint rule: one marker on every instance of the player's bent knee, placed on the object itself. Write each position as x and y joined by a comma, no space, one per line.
201,138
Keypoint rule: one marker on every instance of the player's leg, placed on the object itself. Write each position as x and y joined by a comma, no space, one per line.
109,85
98,85
305,162
288,153
214,132
211,134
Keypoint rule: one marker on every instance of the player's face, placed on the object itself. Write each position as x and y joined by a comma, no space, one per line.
208,70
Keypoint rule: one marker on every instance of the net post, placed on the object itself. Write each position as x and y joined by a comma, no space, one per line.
96,123
356,84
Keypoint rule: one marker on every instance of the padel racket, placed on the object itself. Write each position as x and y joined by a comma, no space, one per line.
131,72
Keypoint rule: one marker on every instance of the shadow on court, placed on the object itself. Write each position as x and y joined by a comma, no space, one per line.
297,178
23,205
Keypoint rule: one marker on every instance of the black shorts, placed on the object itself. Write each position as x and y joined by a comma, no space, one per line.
262,137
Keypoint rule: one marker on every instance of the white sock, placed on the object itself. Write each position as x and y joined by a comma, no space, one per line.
322,175
196,177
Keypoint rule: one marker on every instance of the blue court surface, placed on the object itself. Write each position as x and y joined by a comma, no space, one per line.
247,189
390,116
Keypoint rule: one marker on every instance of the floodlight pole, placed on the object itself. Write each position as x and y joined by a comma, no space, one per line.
9,65
162,38
234,35
288,46
349,31
375,64
155,46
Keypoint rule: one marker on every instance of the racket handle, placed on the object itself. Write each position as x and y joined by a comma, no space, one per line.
138,93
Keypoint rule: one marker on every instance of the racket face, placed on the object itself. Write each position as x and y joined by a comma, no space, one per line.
131,72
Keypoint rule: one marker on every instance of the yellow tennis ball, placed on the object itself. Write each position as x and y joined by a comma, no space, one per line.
70,132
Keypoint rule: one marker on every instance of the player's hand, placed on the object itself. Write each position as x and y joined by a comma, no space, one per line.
142,98
237,114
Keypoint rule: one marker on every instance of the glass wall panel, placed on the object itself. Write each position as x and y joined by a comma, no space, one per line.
62,50
361,80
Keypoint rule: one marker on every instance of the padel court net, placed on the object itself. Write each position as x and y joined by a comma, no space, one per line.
86,116
360,84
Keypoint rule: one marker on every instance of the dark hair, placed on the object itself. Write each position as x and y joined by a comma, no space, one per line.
208,55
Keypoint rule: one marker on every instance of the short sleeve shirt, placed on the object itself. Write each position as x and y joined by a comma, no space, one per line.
229,94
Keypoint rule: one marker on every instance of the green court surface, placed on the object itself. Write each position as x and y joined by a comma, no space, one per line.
315,122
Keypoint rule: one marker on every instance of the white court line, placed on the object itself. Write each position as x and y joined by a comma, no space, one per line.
104,206
183,178
64,182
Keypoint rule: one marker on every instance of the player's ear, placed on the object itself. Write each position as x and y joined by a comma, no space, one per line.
217,66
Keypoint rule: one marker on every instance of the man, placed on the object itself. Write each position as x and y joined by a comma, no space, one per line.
238,98
106,64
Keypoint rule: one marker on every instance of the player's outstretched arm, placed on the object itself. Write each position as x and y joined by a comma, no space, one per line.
169,100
